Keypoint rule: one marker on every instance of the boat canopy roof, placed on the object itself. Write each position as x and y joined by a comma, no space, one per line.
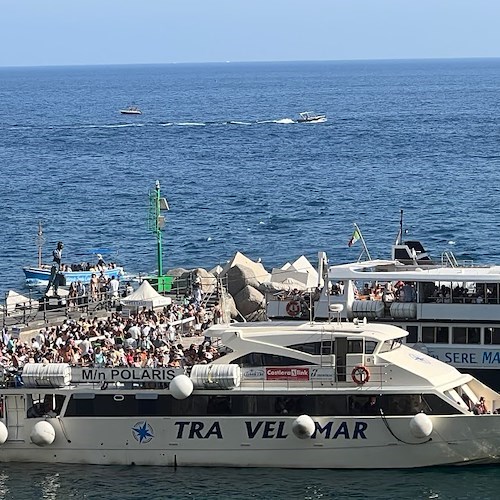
308,114
282,332
390,270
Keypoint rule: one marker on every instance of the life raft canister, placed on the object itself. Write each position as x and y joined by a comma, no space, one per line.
293,308
360,375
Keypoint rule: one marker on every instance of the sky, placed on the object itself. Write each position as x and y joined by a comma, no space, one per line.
84,32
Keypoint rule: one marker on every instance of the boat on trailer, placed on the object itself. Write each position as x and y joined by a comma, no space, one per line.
284,394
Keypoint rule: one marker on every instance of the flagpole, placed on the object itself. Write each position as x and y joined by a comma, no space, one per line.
365,248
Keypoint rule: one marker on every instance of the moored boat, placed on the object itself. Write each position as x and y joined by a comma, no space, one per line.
41,275
69,273
451,310
285,394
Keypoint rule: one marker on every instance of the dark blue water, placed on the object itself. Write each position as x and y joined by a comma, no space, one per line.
423,136
155,483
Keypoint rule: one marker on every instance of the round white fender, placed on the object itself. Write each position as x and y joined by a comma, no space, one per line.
42,433
303,427
421,425
181,387
4,433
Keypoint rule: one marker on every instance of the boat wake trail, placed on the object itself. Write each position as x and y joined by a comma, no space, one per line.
135,124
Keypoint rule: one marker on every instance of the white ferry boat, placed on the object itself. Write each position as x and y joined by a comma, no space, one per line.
450,311
285,394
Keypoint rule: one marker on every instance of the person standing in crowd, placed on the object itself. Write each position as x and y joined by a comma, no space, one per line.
94,287
114,286
54,270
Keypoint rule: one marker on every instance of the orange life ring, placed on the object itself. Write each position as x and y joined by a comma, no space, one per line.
293,308
360,375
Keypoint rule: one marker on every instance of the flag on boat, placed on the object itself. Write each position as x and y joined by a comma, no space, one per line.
356,235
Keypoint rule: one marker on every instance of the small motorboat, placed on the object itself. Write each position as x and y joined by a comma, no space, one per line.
310,117
131,110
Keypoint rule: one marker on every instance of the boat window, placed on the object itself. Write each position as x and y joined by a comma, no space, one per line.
313,348
355,346
435,334
399,404
44,405
466,335
454,396
370,346
464,399
492,336
412,337
219,405
396,343
263,359
468,394
386,346
203,405
104,405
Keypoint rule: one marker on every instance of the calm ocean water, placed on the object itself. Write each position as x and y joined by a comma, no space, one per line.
422,136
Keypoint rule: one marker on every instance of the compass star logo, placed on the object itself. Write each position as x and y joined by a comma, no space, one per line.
142,432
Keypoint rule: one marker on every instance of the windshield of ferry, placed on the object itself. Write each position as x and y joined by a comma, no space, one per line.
390,345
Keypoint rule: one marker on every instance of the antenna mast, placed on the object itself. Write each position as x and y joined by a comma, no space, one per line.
156,222
40,240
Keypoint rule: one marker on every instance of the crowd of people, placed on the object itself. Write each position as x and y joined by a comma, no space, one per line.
144,339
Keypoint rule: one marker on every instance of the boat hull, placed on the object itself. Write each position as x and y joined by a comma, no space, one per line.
315,120
38,276
339,442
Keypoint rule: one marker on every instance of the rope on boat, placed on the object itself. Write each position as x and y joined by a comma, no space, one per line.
384,419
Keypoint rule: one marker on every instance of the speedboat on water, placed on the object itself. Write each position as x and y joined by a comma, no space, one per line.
284,394
310,117
131,110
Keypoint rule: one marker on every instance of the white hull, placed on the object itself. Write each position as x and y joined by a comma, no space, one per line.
110,441
318,120
373,403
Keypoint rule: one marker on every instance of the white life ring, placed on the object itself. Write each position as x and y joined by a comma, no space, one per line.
293,308
360,375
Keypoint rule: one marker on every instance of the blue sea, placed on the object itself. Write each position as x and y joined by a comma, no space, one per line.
240,175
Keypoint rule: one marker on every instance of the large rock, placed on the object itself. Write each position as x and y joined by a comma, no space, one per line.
228,308
207,279
176,272
238,277
216,270
188,277
239,259
249,300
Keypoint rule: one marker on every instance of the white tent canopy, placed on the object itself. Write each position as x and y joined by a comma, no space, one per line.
147,296
15,300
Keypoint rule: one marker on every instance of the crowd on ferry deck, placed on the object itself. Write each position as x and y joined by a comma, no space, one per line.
145,339
402,291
